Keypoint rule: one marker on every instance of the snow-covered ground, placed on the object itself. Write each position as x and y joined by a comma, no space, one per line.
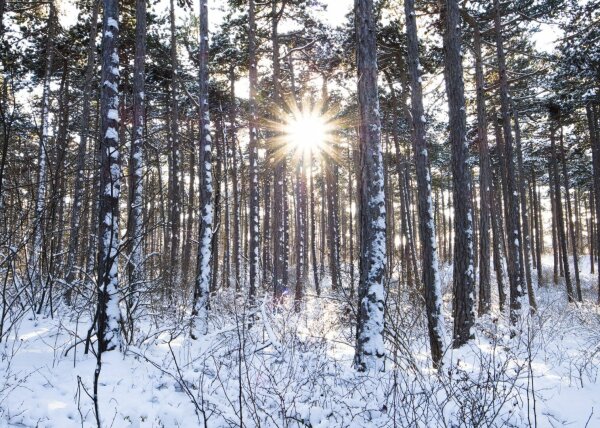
296,370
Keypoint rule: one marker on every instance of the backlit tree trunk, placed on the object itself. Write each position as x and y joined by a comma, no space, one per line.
370,351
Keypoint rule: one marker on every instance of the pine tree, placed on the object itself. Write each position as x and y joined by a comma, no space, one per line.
370,351
203,275
464,268
429,257
109,316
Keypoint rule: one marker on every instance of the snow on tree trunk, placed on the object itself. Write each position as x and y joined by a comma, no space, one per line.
109,336
137,153
429,256
522,184
174,265
370,351
464,269
513,233
280,209
253,157
333,237
35,264
78,193
560,219
485,185
199,325
569,221
592,122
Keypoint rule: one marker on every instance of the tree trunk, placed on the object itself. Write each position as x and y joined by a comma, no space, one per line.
79,191
370,351
429,257
109,317
539,236
522,182
515,268
35,264
560,225
464,269
174,267
570,223
280,217
592,121
313,228
136,202
199,324
485,290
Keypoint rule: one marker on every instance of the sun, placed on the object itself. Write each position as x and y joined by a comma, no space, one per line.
303,130
306,131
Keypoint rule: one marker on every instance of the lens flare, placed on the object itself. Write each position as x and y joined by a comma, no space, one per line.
306,132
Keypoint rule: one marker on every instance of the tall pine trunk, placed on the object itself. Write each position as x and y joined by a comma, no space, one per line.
199,324
35,263
370,351
109,317
513,229
464,269
136,203
253,158
429,256
79,191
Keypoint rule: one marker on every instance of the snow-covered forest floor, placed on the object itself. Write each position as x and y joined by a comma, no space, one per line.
294,369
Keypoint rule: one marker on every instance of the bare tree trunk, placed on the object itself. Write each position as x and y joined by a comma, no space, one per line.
497,244
217,221
370,351
136,202
333,238
237,257
301,266
571,225
174,268
592,121
522,183
560,224
591,230
313,228
187,249
267,225
199,322
280,211
464,269
515,267
109,317
351,167
429,257
595,142
35,263
485,289
539,236
78,193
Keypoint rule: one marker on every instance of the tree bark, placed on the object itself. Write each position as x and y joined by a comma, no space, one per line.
430,264
464,269
199,325
79,191
174,267
109,317
253,151
515,268
35,263
370,351
560,225
571,225
136,202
